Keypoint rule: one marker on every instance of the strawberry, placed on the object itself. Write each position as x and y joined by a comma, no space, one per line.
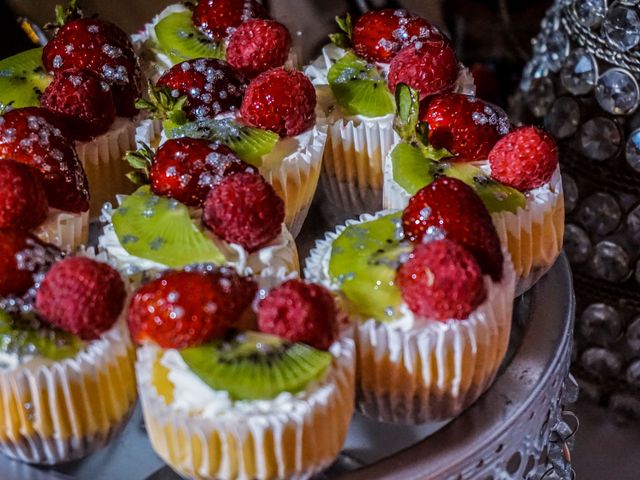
218,18
211,86
524,159
379,35
33,136
429,67
449,208
23,201
258,45
13,279
464,125
281,100
187,168
102,48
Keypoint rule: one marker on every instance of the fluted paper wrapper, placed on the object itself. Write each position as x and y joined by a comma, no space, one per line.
65,230
59,411
432,370
295,444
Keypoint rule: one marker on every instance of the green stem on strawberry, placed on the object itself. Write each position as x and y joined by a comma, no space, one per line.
343,39
140,160
64,15
164,106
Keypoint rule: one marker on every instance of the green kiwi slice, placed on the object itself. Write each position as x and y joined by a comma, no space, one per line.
181,40
24,334
253,366
358,87
411,169
23,79
364,260
161,230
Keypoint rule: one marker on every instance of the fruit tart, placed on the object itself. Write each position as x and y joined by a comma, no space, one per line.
89,75
66,361
268,122
355,78
235,385
430,292
43,187
515,173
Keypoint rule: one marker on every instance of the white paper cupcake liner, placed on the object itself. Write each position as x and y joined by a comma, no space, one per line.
65,230
429,371
251,444
57,411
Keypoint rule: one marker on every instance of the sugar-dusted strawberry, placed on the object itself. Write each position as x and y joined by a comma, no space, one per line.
524,159
466,126
429,67
258,45
244,209
23,201
300,312
81,296
281,100
218,18
211,86
379,35
83,100
103,48
15,278
449,208
441,280
33,136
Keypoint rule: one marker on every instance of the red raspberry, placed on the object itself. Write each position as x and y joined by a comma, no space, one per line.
379,35
34,136
103,48
441,280
466,126
525,159
13,280
244,209
429,67
258,45
211,86
281,100
23,201
218,18
449,208
81,296
300,312
187,168
83,100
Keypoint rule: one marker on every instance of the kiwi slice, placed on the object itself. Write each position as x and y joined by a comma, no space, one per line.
253,366
250,144
364,260
23,79
161,230
411,169
181,40
358,87
25,334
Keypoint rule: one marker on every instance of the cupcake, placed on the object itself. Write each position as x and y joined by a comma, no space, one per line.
66,361
430,292
515,173
43,187
236,393
355,78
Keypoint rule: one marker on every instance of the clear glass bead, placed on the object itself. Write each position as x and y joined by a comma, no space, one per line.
633,335
633,224
617,92
541,96
600,213
580,72
621,26
600,324
570,191
590,12
536,68
600,138
601,363
610,262
577,244
563,119
632,151
556,49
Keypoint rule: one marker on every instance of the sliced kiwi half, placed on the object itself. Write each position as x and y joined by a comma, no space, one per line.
24,334
253,366
23,79
161,230
364,260
180,40
411,169
359,88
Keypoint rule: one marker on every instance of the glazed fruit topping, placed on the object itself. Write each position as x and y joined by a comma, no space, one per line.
23,201
16,274
218,18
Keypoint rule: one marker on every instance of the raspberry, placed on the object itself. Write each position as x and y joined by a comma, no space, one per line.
524,159
81,296
441,281
281,100
300,312
429,67
23,201
258,45
244,209
218,18
15,280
